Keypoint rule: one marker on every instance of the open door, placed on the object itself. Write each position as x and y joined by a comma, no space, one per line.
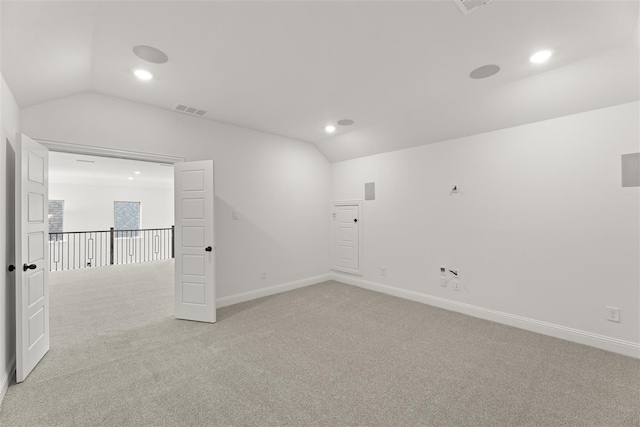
194,241
32,253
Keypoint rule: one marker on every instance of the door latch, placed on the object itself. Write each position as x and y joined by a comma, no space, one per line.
29,267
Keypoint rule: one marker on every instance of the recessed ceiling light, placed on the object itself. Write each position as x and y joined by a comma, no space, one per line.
130,178
345,122
330,128
143,74
484,72
150,54
541,56
137,172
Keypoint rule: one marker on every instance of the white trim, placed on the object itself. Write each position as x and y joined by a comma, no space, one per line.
359,204
347,270
271,290
6,379
67,147
627,348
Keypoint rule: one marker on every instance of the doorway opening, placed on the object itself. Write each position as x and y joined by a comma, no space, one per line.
108,211
193,278
111,234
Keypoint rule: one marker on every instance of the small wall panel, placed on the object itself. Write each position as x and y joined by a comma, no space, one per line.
631,170
370,191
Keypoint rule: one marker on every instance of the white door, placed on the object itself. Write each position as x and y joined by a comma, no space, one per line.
194,241
346,237
32,253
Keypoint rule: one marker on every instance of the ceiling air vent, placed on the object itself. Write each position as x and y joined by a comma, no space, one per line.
468,6
189,110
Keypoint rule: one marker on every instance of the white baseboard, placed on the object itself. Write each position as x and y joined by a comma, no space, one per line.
271,290
6,379
627,348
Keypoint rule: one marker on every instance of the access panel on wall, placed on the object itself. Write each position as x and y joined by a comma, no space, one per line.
346,234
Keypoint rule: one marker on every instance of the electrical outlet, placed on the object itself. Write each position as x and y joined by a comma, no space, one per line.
235,216
443,281
456,285
613,314
383,271
264,274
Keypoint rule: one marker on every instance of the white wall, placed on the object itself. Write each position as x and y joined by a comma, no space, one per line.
279,186
542,228
9,125
88,206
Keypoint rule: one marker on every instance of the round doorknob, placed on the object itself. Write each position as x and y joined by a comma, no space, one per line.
355,220
29,267
12,267
208,249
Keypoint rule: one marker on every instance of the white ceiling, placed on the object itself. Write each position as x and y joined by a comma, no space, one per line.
65,168
399,69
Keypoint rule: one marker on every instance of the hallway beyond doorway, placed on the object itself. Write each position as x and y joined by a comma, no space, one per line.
86,303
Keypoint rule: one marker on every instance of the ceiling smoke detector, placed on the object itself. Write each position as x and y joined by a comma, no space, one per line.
189,110
468,6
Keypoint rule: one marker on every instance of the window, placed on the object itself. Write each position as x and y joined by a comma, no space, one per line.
126,216
56,216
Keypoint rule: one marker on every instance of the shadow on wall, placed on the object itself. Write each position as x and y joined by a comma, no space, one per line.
265,253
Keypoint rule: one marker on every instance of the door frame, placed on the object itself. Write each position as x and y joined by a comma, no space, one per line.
67,147
334,204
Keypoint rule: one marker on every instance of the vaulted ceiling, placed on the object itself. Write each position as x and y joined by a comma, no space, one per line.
399,69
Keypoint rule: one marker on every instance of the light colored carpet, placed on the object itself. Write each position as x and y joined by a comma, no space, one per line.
328,354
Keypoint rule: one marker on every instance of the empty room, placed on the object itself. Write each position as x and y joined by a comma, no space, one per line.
373,213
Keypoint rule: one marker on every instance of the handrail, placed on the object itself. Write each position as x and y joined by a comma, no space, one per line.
84,249
106,231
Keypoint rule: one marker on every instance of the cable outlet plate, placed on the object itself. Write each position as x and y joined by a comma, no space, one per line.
613,314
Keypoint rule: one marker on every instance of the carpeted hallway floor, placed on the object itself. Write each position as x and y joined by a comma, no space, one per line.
326,354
